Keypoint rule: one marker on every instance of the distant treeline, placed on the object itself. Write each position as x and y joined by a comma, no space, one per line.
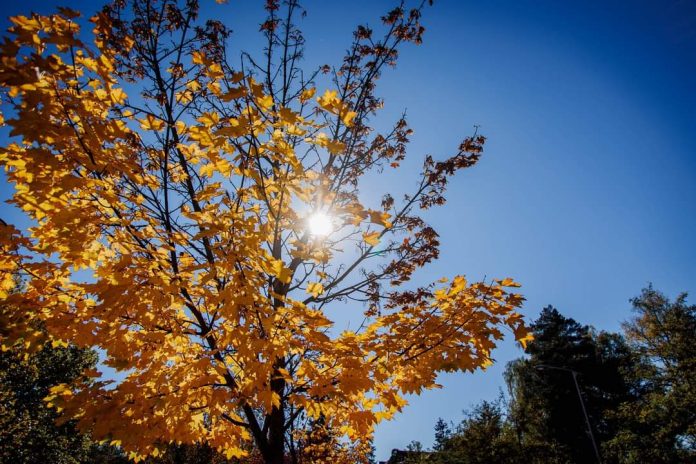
638,388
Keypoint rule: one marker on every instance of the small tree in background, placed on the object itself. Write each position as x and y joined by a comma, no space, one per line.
180,185
483,437
442,434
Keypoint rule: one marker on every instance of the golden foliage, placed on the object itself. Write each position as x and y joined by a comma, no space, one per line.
171,237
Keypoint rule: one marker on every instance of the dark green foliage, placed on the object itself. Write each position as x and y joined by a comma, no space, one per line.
414,454
28,433
442,434
484,436
545,407
662,336
173,454
191,454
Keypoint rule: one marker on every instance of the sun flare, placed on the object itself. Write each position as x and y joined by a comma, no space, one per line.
320,224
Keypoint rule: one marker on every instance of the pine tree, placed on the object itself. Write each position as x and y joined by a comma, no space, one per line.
442,434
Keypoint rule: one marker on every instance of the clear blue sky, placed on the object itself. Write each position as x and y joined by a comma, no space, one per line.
586,191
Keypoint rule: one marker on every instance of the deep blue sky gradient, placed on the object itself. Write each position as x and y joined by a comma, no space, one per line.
586,189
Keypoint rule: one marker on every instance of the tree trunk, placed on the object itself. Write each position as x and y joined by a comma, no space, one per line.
276,420
272,446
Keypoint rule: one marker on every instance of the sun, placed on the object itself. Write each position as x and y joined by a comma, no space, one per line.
320,224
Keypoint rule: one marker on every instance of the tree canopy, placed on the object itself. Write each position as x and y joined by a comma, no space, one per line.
661,335
170,186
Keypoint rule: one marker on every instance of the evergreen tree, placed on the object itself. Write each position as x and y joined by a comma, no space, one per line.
546,409
661,336
483,437
442,434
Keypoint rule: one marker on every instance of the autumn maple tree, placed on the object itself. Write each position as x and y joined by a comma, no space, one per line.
170,184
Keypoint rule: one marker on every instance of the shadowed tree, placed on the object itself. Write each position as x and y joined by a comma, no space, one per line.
27,430
545,408
442,434
662,337
180,181
483,437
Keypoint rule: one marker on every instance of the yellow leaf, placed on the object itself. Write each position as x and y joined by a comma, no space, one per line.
222,166
269,399
197,57
151,123
233,452
265,102
296,130
348,118
328,100
209,119
381,218
458,285
118,96
315,289
233,94
508,282
288,116
371,238
281,272
193,85
58,343
60,389
523,335
335,147
307,94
